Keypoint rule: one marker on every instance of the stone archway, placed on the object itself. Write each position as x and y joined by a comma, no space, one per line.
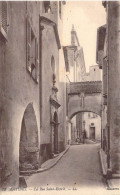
81,111
28,146
84,97
87,121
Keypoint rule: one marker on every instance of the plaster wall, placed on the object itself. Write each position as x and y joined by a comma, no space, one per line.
62,99
113,26
62,133
17,88
49,49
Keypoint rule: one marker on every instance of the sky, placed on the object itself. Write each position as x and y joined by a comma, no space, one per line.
86,16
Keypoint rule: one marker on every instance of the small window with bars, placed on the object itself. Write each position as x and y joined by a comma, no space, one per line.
32,52
3,18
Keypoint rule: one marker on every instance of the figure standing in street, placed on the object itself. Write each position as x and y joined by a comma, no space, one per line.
83,136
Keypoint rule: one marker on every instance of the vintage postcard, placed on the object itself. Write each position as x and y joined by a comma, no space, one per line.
59,97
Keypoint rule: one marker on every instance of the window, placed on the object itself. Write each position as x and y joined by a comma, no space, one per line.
60,9
3,19
53,70
32,52
47,6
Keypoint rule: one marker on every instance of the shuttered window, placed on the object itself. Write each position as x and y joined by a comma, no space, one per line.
28,45
32,53
101,33
60,9
3,18
36,60
105,81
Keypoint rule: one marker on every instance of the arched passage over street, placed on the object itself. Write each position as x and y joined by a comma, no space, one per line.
28,146
84,97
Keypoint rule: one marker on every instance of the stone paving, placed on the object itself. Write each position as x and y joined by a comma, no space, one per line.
79,167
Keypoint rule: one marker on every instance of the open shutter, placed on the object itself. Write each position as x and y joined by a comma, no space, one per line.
28,45
0,15
101,33
4,16
105,81
3,19
36,60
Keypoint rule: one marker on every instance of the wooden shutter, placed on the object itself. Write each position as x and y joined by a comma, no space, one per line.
4,15
28,45
105,81
36,60
1,14
3,19
101,33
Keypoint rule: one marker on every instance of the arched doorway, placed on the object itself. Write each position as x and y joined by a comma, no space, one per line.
28,146
56,133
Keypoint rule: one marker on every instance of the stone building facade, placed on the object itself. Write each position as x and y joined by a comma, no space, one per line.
32,89
108,48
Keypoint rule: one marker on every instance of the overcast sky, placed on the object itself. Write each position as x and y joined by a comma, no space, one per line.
86,16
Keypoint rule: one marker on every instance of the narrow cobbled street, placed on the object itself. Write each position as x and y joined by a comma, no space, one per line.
79,167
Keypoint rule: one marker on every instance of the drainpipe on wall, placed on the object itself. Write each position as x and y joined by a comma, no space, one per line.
108,150
41,28
101,132
109,171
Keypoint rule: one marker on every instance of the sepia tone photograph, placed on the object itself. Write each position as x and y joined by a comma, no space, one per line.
59,97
